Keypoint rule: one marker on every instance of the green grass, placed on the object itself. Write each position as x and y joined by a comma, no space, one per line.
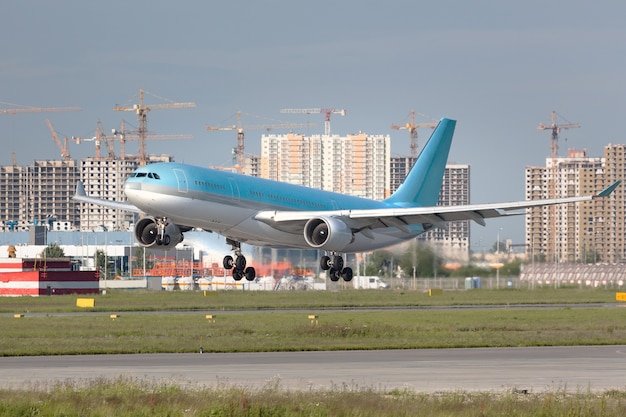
293,331
125,397
260,321
235,300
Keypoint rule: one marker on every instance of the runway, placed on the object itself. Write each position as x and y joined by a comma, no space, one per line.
539,369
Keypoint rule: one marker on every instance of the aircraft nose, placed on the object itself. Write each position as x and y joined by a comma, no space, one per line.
132,186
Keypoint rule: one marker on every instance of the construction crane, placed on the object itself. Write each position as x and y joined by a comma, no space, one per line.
412,128
124,135
552,183
239,150
95,139
65,153
142,110
556,129
108,142
99,138
19,108
326,111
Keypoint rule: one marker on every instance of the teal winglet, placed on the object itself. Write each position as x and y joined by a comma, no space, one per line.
608,190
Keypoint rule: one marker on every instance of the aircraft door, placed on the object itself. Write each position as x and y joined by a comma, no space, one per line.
181,178
234,188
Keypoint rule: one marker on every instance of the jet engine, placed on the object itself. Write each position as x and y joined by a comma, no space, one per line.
328,233
147,234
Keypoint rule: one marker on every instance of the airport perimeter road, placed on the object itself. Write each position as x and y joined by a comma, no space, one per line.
540,369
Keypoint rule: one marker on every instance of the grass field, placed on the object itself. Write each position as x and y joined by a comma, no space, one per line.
151,322
254,321
122,398
117,301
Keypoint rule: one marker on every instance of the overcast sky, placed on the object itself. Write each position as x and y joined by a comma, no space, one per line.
499,68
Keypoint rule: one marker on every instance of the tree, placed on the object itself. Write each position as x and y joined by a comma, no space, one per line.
141,258
378,263
499,247
53,250
424,259
100,260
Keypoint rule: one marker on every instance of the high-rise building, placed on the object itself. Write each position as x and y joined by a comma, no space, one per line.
12,196
50,186
353,164
589,232
453,242
613,207
40,193
399,168
105,178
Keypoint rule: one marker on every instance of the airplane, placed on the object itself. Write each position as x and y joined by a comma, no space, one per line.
174,198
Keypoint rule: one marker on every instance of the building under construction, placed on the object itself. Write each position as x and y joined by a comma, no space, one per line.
40,193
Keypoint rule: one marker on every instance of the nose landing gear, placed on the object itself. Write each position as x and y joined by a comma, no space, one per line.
335,265
238,264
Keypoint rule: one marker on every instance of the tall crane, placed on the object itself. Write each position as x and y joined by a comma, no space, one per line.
98,139
124,135
108,142
19,108
65,153
552,191
326,111
412,128
239,151
556,129
142,110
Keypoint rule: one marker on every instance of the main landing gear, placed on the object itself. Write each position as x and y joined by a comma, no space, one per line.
335,265
238,264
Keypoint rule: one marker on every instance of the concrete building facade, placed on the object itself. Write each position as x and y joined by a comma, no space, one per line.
38,194
353,164
587,232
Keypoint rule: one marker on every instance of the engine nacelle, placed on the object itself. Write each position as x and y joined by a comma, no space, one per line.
147,234
328,233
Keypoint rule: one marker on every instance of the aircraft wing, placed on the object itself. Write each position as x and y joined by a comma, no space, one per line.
82,196
360,220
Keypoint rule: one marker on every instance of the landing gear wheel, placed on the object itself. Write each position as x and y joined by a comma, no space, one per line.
240,262
228,262
325,263
335,275
237,274
337,263
347,274
167,240
250,273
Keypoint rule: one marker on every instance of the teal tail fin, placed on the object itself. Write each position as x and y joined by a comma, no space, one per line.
423,184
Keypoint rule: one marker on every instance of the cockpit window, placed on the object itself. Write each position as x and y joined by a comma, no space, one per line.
145,174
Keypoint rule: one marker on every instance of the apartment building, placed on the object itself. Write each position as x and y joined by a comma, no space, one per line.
41,194
353,164
453,242
586,232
